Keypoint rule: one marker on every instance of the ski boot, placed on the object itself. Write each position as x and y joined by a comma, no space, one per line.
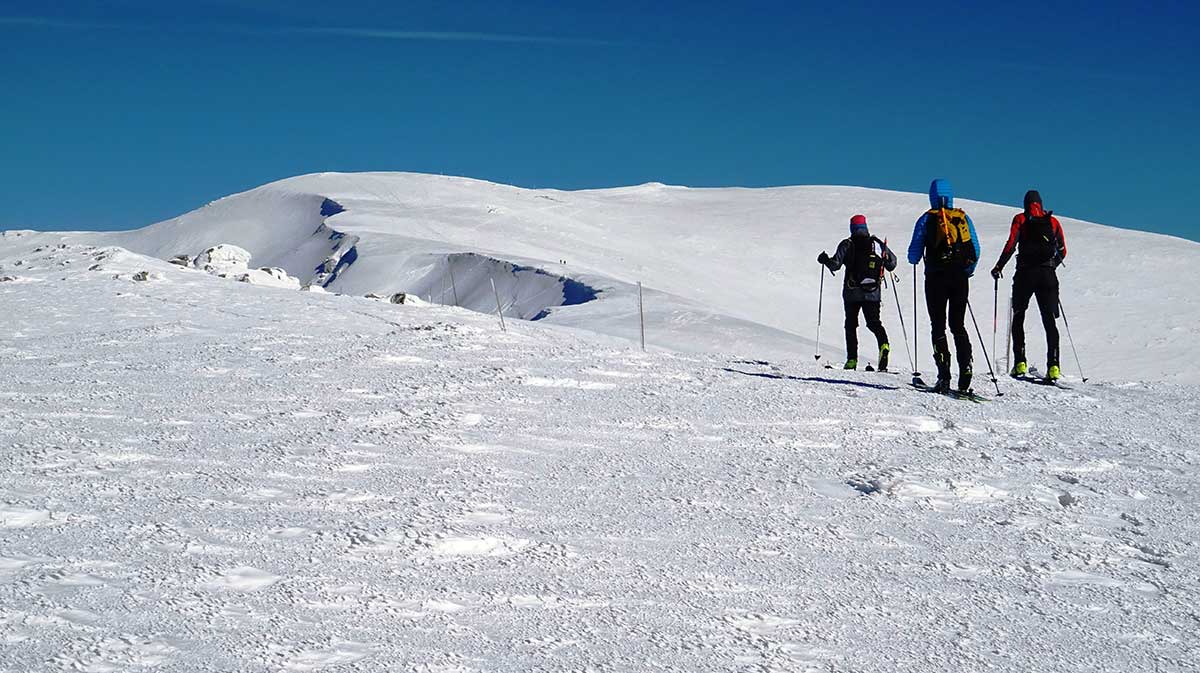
852,363
1054,373
1019,369
964,381
942,360
884,350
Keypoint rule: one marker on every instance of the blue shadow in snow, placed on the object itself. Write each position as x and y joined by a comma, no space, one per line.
329,207
344,263
574,292
815,379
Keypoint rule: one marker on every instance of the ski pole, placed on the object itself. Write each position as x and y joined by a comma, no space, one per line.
986,359
900,311
820,304
1077,365
1008,339
916,332
996,317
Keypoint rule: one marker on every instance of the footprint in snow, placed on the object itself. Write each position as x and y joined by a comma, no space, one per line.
539,382
243,579
478,546
340,654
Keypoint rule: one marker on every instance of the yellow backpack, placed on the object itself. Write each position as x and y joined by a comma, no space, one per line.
948,238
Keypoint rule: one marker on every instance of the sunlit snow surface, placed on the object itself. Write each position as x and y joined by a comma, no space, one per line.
724,270
202,475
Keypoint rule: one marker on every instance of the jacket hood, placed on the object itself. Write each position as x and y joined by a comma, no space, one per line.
1033,203
940,190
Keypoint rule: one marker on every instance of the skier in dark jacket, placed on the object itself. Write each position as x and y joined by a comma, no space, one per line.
945,237
861,289
1037,238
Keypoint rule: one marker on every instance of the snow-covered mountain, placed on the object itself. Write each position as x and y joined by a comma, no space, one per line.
204,475
724,270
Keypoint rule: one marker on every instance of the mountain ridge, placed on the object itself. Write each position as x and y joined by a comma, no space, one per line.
721,268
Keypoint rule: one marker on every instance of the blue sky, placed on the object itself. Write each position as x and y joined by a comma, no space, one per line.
123,113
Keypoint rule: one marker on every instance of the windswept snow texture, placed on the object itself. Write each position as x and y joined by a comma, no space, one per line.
203,475
725,270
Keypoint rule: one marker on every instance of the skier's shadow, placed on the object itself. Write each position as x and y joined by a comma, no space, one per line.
815,379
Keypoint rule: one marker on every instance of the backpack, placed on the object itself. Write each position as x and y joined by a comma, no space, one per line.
948,238
865,268
1037,241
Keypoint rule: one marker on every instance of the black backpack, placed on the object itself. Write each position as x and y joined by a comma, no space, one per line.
1038,244
865,268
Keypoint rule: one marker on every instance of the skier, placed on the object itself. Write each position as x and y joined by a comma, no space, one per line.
861,290
1037,238
945,237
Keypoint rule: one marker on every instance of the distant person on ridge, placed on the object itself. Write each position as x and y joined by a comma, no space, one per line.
861,290
945,237
1037,238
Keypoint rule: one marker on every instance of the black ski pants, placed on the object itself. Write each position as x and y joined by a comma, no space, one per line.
870,311
1040,282
946,297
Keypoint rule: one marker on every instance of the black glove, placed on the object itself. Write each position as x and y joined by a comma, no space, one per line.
997,272
823,259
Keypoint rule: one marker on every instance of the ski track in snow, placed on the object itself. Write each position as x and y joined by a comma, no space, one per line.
199,475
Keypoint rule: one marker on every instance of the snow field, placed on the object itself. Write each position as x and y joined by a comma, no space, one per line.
202,475
725,270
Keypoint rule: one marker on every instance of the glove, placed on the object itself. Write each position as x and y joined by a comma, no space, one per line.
823,259
997,272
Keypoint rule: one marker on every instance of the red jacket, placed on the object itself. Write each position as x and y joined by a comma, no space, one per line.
1014,236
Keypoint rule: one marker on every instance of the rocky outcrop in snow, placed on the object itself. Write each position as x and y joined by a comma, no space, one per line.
223,259
230,261
271,276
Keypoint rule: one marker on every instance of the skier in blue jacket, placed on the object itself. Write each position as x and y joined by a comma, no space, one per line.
944,237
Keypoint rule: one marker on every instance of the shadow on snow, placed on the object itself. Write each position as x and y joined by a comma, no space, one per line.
815,379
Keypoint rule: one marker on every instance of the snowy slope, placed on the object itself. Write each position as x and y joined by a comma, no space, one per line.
200,475
729,270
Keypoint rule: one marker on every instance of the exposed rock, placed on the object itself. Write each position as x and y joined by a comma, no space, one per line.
279,274
223,259
269,276
181,260
399,298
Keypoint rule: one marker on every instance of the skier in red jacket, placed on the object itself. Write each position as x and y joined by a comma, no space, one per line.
1037,238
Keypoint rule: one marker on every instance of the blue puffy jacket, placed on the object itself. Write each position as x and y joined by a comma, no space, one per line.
940,195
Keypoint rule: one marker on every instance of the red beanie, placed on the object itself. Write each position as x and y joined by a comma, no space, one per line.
858,223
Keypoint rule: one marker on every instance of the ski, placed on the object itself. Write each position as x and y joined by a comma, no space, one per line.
1037,380
969,396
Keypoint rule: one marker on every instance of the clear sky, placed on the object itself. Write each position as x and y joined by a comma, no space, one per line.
122,113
